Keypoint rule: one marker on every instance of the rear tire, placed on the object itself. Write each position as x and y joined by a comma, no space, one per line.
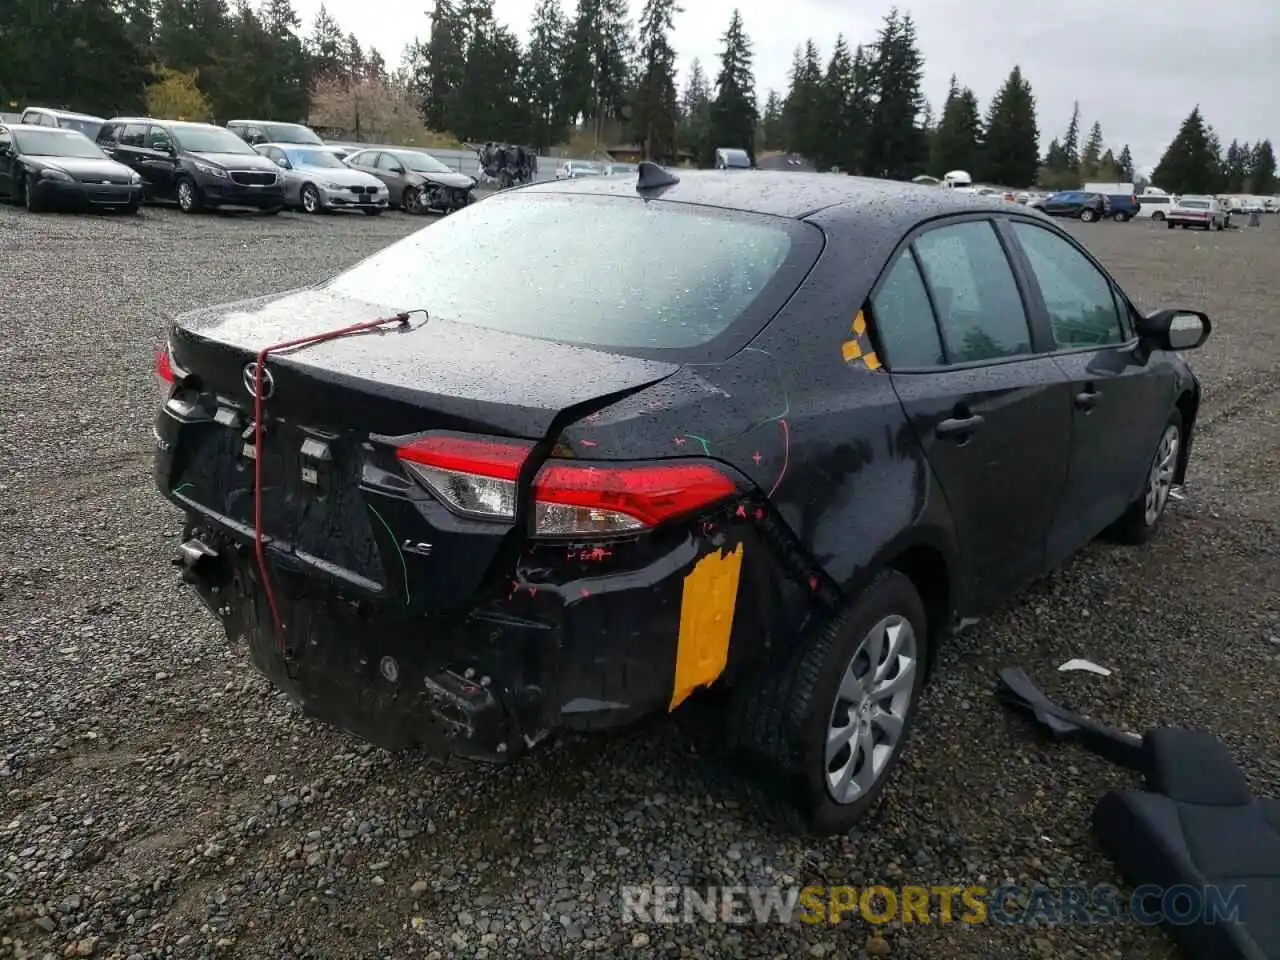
1171,224
1122,217
1141,519
1158,216
783,715
1087,215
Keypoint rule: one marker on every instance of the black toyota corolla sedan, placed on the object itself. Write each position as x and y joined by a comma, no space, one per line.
477,489
44,167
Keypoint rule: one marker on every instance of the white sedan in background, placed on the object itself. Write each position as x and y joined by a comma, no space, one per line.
572,169
318,182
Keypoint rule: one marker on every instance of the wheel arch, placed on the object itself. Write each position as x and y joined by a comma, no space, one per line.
927,557
1188,405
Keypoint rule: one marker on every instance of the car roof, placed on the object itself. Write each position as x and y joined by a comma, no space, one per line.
792,194
166,123
64,113
270,123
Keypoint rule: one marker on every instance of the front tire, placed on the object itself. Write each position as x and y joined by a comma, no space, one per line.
1141,519
30,199
311,202
827,725
188,196
410,200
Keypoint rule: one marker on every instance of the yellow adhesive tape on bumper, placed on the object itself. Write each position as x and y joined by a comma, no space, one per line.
706,622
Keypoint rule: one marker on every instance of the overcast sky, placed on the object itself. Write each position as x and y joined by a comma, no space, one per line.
1138,69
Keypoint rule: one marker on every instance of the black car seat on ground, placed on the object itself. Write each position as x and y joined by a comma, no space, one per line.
1196,824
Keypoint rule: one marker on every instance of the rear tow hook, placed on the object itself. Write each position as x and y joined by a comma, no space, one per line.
194,560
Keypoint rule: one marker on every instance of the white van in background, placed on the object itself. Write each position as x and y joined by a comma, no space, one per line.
1154,206
958,180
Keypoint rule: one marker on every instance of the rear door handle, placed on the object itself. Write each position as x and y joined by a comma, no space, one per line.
1086,400
959,427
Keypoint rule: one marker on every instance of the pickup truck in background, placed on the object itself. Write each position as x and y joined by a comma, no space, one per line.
1122,198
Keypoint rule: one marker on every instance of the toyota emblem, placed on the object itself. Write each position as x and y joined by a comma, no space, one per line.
251,378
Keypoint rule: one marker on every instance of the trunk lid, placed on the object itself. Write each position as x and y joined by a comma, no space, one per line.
336,503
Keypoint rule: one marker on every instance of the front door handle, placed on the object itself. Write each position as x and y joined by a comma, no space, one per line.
1087,399
959,428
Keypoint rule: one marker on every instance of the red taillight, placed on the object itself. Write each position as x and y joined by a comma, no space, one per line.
477,478
164,368
568,494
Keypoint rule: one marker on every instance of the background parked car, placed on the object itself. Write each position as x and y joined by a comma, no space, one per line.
1077,204
416,181
48,117
732,158
1203,212
571,169
619,170
317,181
254,132
49,166
197,165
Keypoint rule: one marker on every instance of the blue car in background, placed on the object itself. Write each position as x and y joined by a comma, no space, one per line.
1078,205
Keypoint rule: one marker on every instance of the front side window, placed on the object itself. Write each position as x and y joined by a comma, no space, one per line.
974,291
904,319
1079,299
388,162
660,277
158,139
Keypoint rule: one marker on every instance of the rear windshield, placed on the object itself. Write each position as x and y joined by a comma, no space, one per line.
86,125
646,278
1196,204
291,133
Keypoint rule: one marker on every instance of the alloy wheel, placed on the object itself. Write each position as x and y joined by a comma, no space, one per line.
1160,481
871,709
310,200
186,196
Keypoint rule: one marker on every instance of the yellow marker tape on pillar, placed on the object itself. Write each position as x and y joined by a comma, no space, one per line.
706,622
858,347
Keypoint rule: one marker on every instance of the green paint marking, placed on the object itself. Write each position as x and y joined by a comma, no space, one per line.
182,486
706,444
399,553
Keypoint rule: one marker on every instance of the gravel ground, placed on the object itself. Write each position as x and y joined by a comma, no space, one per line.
158,799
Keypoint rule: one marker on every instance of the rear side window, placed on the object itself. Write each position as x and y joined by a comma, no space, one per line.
1080,300
641,277
978,304
133,135
903,318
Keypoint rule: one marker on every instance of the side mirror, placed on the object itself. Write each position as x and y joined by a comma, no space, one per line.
1175,329
283,163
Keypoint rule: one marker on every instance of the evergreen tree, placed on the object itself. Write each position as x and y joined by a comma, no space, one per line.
596,67
1124,165
1189,164
444,65
860,108
734,112
802,111
695,114
1071,141
896,144
1011,147
487,105
543,75
1091,156
773,133
655,105
957,142
1236,167
840,130
327,45
1262,173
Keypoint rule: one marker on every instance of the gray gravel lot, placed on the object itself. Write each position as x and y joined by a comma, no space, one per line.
158,799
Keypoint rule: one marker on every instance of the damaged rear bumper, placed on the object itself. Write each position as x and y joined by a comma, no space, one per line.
594,652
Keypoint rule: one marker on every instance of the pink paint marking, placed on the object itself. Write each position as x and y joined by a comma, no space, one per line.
786,456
